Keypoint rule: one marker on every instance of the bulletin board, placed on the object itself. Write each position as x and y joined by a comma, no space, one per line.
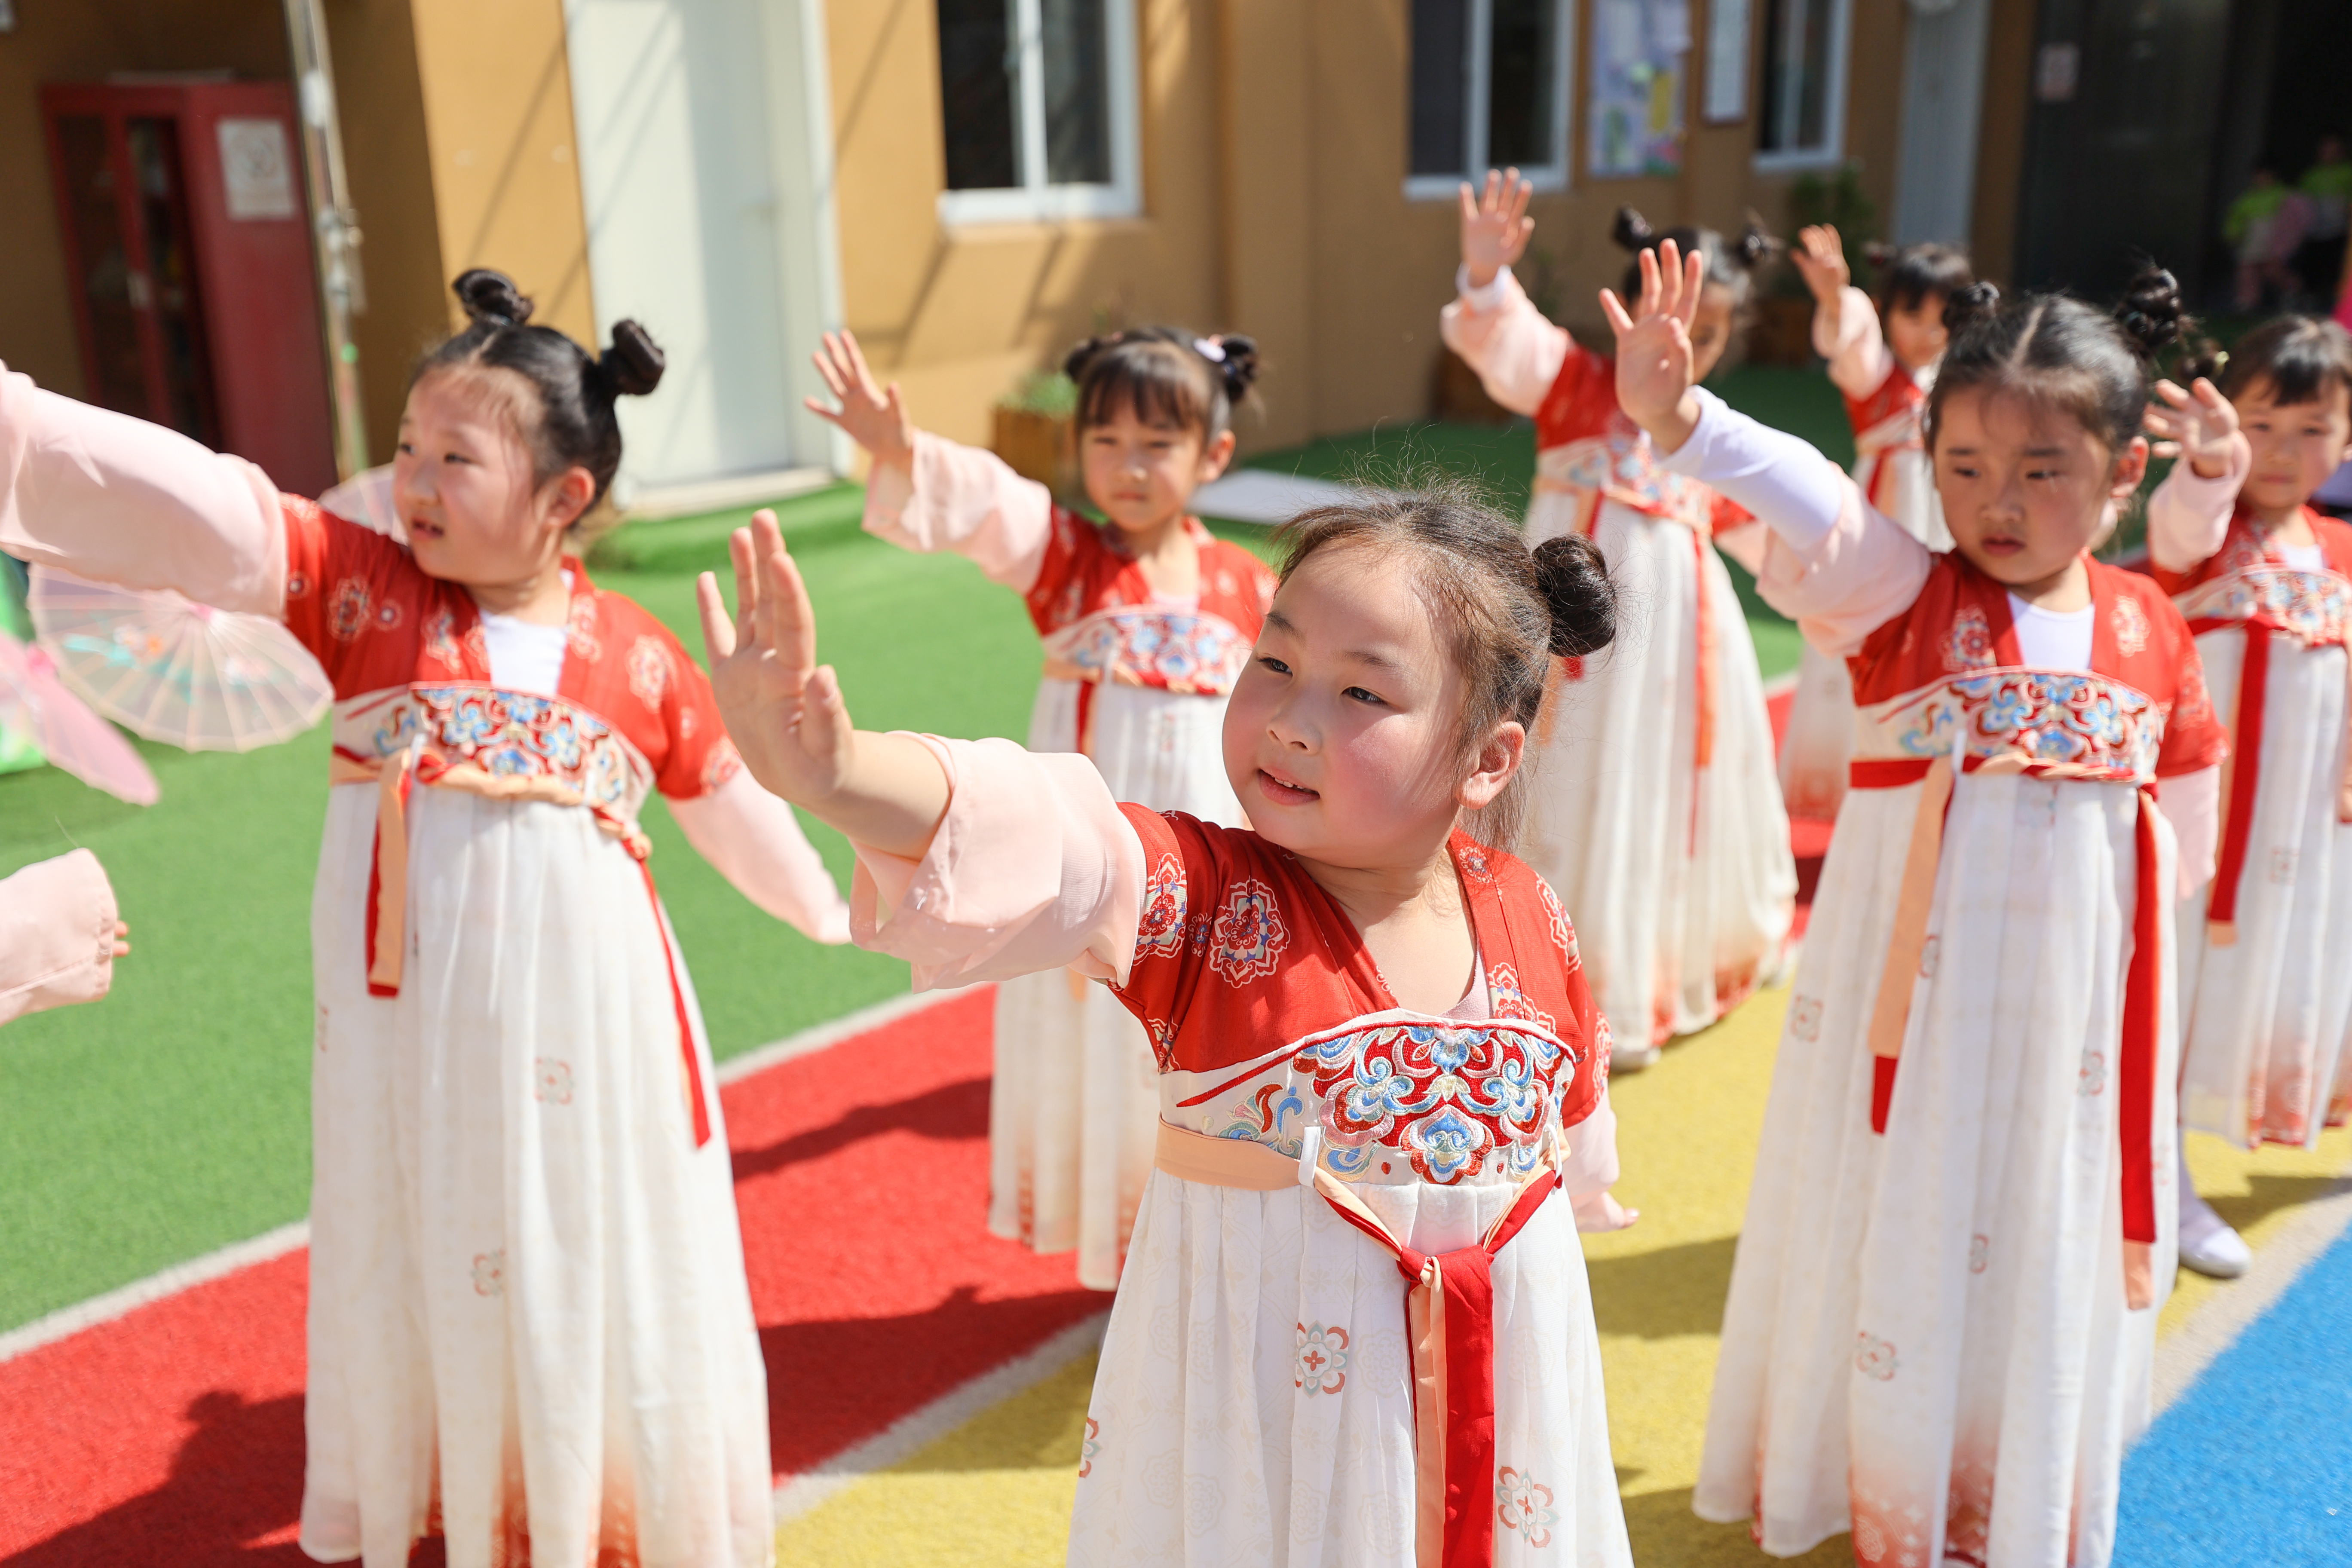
1634,118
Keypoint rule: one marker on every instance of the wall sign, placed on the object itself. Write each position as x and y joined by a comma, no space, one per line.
1635,121
257,166
1727,63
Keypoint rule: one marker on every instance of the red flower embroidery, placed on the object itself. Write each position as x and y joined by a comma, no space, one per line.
1969,645
1249,935
648,666
1161,929
2131,625
348,614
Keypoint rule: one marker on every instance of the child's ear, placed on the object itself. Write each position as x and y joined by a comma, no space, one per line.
1496,761
2131,467
1216,454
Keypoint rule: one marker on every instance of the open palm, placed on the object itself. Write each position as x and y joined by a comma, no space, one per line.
2196,423
1495,225
873,416
1654,360
782,708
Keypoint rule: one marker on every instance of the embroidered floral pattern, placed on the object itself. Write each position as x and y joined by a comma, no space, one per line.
1509,1002
1320,1363
1089,1446
1523,1506
2090,1078
2313,607
1447,1096
347,613
551,1082
2283,867
648,667
1969,645
1623,467
1874,1357
1980,1253
1805,1018
722,764
490,1273
387,616
2073,726
1161,928
1563,934
1265,1117
2131,626
517,734
1171,650
1931,951
441,639
580,628
1249,935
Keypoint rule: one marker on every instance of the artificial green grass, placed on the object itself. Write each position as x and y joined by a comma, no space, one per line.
173,1118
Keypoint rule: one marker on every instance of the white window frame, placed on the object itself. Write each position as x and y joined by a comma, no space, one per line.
1832,152
1034,200
1552,176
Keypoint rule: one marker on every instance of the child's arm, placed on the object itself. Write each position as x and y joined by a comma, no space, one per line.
1845,323
976,859
756,843
2188,515
1833,562
1589,1170
58,935
1493,324
925,493
117,499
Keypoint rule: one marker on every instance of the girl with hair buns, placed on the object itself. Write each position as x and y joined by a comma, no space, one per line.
2266,583
1943,1307
1146,619
1376,1053
529,1320
1656,814
1881,356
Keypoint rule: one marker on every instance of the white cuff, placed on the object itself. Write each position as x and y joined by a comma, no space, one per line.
1486,301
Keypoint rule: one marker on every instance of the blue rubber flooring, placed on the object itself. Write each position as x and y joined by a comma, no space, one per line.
2253,1465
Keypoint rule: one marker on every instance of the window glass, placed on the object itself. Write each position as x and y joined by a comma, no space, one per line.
1525,51
1441,87
1077,97
978,70
1800,42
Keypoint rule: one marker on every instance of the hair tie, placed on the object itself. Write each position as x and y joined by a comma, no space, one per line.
1210,349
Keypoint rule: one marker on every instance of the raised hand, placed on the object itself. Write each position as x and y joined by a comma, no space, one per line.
2198,424
1495,225
1655,365
1820,256
783,710
873,417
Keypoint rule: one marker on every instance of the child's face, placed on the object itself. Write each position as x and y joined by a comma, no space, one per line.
2296,445
1710,329
2024,485
463,483
1916,333
1140,474
1341,737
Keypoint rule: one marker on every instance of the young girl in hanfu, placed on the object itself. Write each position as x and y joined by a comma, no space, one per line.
2266,583
1656,814
1354,1326
528,1323
1885,373
1941,1314
1146,619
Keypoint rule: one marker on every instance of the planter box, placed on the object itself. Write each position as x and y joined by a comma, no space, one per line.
1037,446
1456,394
1782,333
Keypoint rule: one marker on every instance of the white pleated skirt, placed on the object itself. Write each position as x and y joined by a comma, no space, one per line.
1679,878
1075,1108
1926,1339
528,1317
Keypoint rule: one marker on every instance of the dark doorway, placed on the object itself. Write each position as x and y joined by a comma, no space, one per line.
2290,63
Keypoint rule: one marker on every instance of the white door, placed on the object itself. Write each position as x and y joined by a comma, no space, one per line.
1943,97
700,137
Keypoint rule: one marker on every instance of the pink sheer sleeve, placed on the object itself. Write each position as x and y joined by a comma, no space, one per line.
967,500
1500,334
57,935
756,843
117,499
2193,804
1857,351
2189,516
1833,564
1032,869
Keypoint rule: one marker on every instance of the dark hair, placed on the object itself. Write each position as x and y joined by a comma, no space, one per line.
1730,266
1908,276
1506,610
2060,353
572,424
1165,375
2300,358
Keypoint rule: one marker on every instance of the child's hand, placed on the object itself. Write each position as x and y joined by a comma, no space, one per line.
2198,424
1600,1211
1820,256
1495,225
1654,360
873,417
783,710
122,938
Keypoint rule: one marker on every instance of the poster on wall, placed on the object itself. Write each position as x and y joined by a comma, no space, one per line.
1636,114
1727,63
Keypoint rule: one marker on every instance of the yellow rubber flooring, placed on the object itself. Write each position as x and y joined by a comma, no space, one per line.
996,1492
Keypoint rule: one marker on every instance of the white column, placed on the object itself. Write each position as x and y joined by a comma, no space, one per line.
1943,100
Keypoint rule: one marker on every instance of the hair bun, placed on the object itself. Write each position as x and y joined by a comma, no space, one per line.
1631,231
2151,312
1757,244
1967,306
1878,253
491,297
1574,582
632,366
1075,363
1239,365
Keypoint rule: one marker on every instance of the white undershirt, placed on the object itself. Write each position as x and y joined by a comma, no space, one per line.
2052,639
2303,557
524,655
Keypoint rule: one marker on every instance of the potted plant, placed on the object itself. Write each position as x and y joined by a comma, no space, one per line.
1034,429
1783,334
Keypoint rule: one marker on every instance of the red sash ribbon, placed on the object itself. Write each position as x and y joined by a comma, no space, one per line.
2241,783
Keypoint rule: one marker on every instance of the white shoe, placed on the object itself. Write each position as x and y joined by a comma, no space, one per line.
1632,1058
2207,1245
